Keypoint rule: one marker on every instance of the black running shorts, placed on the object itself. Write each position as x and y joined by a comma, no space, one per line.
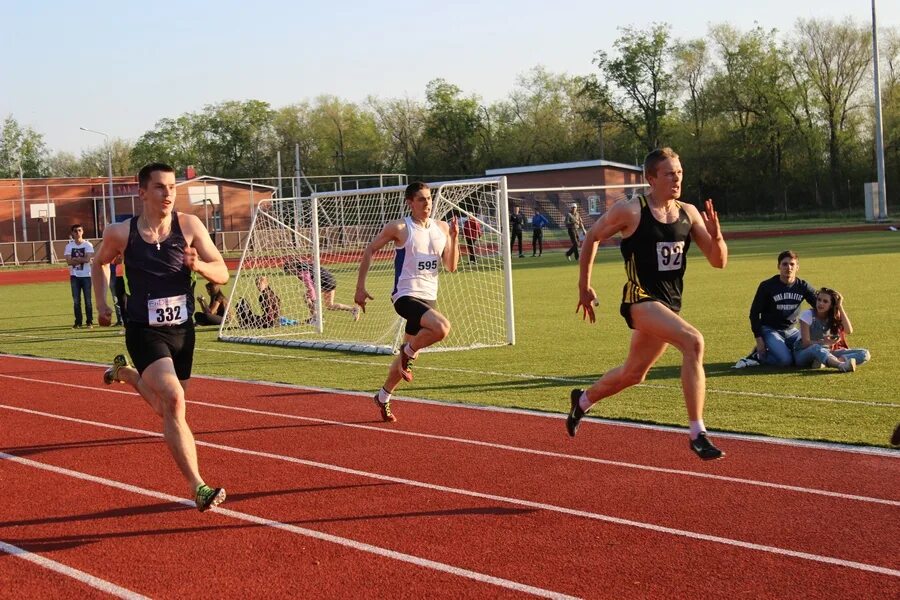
412,309
146,345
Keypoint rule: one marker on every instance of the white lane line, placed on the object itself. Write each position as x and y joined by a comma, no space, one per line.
505,447
496,498
762,439
311,533
57,567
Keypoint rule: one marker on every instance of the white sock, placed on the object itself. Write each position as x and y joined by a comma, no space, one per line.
410,352
697,427
584,403
384,396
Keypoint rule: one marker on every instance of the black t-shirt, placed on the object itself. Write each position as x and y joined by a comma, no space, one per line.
777,304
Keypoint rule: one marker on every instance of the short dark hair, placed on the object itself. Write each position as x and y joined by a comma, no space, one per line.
787,254
655,157
76,226
147,170
414,188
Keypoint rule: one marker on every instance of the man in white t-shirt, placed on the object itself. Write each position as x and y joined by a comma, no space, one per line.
78,256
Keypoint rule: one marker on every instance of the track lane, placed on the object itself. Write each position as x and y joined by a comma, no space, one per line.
308,437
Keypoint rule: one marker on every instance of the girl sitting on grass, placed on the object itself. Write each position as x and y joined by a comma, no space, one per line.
822,330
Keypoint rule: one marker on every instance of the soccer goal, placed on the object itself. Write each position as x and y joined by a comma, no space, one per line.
307,251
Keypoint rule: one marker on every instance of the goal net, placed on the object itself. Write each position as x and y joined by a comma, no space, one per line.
306,252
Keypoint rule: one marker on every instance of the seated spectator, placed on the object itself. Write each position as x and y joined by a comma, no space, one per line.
822,340
270,304
213,312
774,312
306,274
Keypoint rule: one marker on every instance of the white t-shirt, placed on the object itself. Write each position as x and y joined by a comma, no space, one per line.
85,248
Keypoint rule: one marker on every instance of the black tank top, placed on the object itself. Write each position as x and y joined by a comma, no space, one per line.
656,258
154,271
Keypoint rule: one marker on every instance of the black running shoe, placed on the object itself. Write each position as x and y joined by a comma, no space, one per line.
704,448
575,412
111,375
895,439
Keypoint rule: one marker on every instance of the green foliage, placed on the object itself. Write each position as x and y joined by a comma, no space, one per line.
556,350
21,148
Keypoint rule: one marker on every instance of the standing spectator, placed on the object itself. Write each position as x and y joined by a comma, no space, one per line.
538,222
774,312
79,253
471,231
575,229
516,224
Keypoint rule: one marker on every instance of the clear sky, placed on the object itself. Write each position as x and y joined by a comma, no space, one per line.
119,67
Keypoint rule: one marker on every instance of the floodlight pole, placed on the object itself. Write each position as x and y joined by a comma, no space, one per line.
22,193
879,136
112,198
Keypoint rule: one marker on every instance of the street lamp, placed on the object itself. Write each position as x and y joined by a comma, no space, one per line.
112,199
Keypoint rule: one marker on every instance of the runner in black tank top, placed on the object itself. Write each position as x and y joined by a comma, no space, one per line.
157,270
163,254
656,231
655,259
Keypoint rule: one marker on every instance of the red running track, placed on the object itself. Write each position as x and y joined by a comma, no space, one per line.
326,501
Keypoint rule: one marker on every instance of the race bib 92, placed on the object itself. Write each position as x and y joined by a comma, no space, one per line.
669,255
162,312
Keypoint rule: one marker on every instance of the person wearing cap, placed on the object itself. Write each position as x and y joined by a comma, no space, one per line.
575,228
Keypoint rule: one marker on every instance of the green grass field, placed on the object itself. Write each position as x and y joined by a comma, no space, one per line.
556,350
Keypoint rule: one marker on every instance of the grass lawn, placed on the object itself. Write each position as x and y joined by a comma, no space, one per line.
556,350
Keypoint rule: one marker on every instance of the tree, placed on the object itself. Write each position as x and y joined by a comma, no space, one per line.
452,126
401,123
637,87
832,60
21,147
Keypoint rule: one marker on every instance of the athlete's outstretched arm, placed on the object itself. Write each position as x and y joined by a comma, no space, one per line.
115,237
395,231
616,220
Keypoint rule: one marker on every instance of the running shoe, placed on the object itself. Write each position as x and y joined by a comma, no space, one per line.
405,364
208,497
386,415
573,420
704,448
111,375
751,360
895,439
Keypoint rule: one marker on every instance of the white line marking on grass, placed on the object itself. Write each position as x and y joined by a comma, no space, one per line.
499,374
58,567
311,533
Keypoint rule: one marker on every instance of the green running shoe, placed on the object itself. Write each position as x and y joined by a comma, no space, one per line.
208,497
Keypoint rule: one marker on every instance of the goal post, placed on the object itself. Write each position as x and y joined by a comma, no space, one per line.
308,251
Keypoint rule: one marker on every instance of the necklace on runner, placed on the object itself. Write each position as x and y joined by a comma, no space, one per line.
155,233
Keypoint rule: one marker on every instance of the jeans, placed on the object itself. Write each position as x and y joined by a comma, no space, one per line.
804,357
779,345
82,285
